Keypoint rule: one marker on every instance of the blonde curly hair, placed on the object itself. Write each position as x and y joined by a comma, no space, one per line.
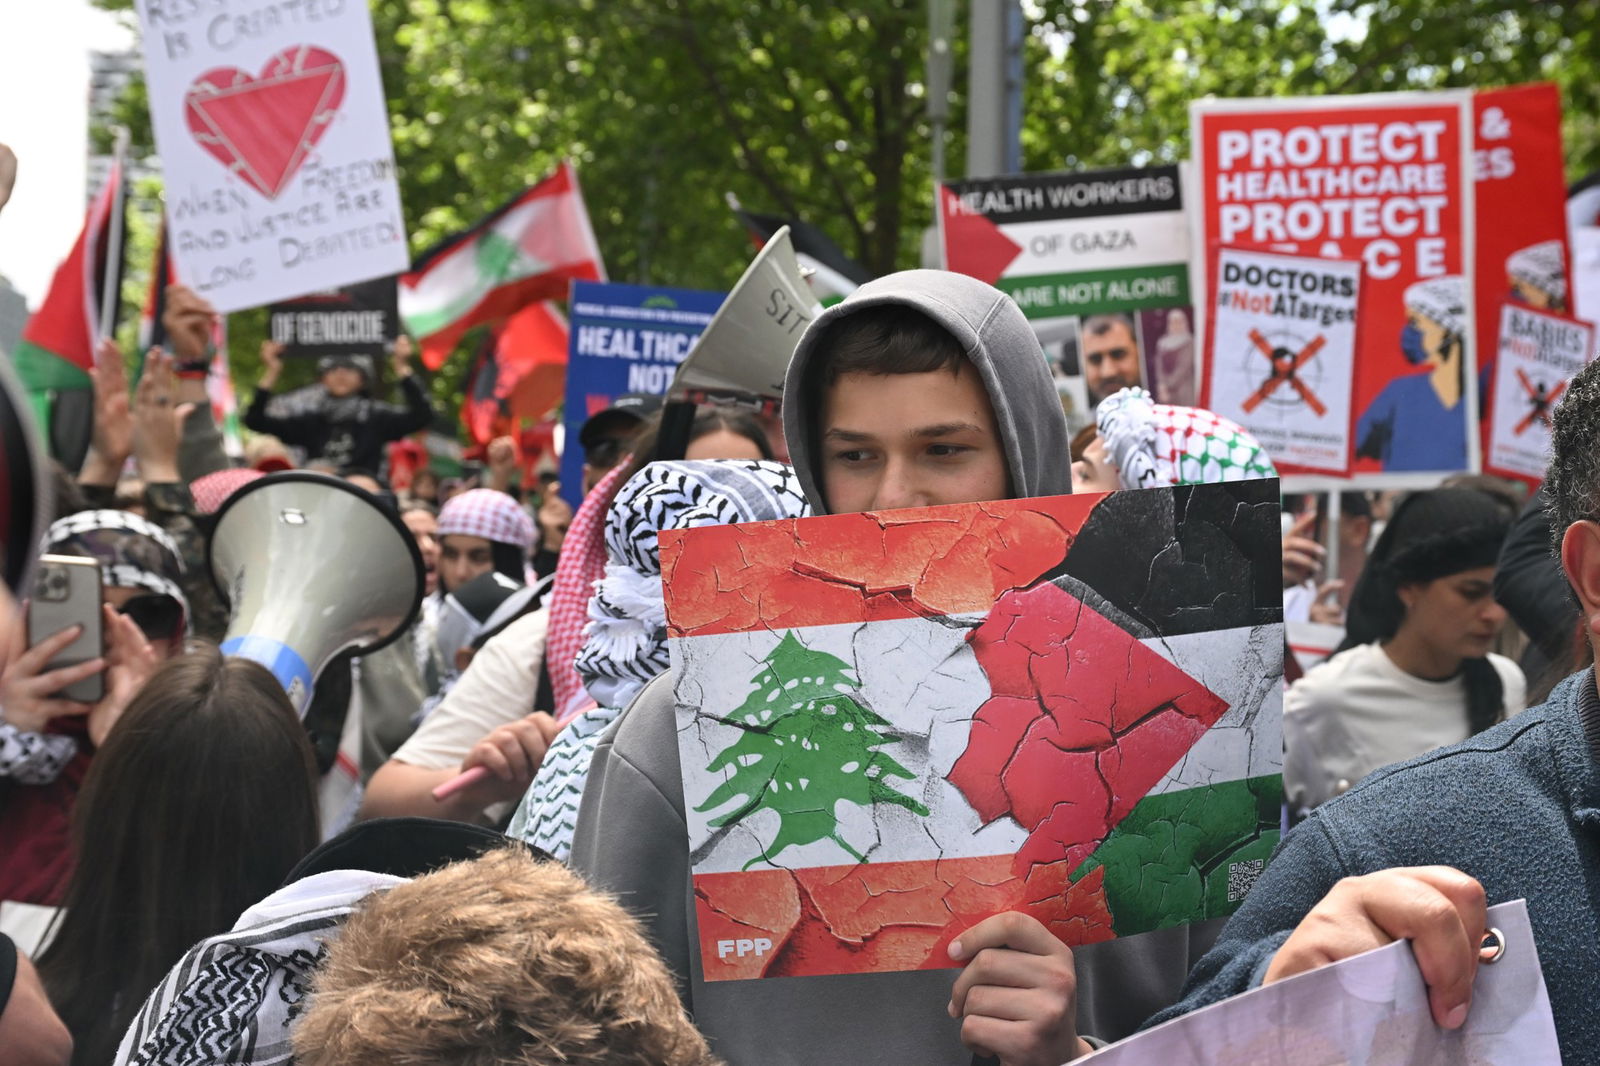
503,961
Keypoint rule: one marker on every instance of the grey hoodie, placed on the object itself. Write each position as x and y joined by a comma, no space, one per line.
992,330
632,838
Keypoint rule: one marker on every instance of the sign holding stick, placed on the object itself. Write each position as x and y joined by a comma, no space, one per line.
274,136
1281,360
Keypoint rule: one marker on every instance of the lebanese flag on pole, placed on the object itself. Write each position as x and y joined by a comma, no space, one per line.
57,349
528,250
520,374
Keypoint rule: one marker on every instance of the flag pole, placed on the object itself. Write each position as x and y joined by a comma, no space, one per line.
108,293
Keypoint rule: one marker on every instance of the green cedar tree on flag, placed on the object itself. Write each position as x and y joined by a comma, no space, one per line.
57,349
528,250
811,743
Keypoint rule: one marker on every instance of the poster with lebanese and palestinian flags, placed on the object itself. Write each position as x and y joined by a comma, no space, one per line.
893,725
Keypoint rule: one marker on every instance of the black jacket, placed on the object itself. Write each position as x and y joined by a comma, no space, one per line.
347,432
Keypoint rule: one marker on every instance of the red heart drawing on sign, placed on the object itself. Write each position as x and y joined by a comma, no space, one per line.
263,128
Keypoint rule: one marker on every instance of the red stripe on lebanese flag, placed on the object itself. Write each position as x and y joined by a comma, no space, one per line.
774,575
873,917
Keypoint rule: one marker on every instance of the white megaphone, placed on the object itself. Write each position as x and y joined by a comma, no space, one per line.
743,354
311,566
747,347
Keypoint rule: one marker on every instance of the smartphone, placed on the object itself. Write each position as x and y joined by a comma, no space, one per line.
67,593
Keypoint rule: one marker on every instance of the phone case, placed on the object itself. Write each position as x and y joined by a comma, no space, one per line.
66,593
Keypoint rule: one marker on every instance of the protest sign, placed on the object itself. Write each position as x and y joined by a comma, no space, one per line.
623,339
1098,260
894,725
1369,1008
1281,355
274,138
1383,179
1538,355
1520,188
359,319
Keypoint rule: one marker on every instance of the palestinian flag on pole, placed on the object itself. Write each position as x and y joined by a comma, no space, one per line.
833,272
528,250
57,349
895,725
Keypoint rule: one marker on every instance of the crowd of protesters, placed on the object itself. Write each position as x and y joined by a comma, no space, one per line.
512,885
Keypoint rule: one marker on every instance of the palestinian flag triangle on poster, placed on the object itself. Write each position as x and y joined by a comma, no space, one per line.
894,725
57,349
526,251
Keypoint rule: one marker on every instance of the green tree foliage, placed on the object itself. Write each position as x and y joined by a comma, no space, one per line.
817,110
807,743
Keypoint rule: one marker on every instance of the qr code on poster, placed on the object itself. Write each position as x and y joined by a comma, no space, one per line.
1242,877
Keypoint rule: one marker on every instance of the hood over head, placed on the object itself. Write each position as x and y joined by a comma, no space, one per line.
994,334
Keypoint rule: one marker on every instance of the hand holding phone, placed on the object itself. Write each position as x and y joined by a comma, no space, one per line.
67,594
28,687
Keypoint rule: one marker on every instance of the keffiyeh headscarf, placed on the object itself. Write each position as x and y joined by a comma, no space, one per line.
625,642
626,639
1156,444
485,513
133,552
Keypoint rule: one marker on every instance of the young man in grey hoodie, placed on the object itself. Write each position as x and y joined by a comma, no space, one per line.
922,388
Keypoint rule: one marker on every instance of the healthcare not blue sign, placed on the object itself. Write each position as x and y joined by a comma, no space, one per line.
623,338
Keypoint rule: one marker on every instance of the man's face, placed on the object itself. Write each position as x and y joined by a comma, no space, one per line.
1110,361
909,440
341,381
463,558
607,452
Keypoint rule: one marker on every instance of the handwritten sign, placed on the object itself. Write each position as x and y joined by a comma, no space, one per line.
271,126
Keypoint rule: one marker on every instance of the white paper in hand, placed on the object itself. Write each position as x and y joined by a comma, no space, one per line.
1369,1009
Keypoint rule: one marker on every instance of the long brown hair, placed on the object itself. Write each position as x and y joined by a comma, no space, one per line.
201,800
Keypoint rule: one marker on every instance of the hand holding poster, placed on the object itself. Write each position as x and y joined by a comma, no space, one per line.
1384,179
912,727
1538,355
1282,354
274,136
1370,1008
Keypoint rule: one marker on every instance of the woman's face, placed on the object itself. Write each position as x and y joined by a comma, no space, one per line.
425,528
722,444
462,558
1455,615
1095,472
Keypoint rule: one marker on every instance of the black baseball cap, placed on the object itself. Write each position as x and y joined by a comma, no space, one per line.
627,410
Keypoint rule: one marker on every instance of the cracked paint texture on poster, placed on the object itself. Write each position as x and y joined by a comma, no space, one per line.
894,725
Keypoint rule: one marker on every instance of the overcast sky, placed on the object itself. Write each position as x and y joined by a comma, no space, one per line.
44,107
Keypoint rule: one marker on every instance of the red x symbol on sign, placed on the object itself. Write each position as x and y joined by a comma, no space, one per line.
1539,402
1285,370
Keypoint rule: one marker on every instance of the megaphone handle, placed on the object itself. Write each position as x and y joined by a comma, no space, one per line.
459,783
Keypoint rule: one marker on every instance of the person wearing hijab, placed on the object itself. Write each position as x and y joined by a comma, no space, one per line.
1141,444
625,646
1414,672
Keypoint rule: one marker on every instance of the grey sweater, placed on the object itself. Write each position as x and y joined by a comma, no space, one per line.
632,839
1517,807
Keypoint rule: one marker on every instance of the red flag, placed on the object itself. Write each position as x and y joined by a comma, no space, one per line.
520,373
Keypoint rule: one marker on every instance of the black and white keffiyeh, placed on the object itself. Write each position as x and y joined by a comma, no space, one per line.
234,998
133,552
625,643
